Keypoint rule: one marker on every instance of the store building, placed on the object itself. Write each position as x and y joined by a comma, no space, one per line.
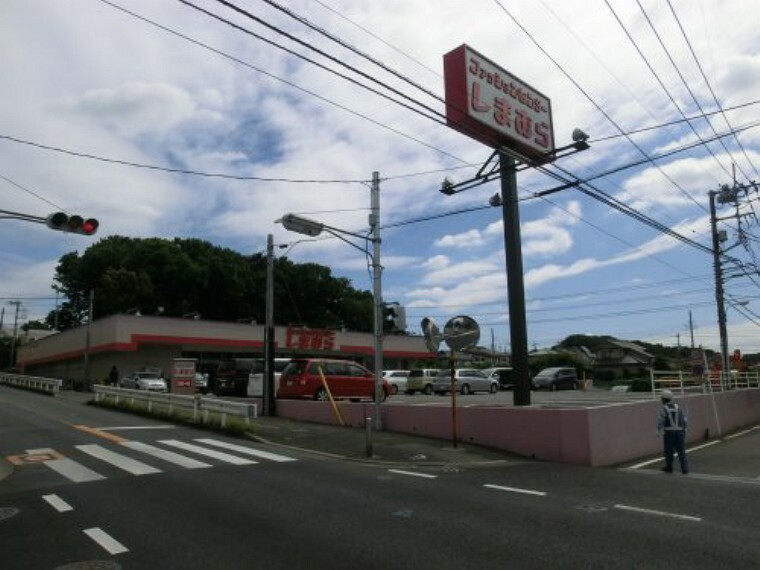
132,342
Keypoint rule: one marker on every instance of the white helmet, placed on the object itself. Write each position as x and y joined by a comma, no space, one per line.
666,395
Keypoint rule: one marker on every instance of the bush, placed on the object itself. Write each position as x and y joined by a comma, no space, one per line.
641,385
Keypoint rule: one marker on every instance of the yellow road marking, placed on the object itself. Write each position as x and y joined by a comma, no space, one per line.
99,433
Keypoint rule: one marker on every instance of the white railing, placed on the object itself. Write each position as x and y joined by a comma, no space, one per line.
51,385
198,407
711,381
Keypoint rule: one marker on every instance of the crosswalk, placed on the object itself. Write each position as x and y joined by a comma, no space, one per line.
140,458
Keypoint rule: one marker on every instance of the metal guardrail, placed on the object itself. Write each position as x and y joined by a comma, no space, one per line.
197,406
50,385
709,382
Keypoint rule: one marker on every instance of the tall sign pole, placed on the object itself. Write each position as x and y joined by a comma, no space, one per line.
489,104
518,328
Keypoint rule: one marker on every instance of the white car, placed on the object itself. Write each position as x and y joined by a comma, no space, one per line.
256,377
396,379
468,381
144,381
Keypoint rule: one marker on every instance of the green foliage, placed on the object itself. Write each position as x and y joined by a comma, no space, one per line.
641,385
34,325
604,377
184,276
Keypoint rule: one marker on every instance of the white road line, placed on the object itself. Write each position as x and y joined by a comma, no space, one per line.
658,513
247,450
413,474
105,541
117,460
166,455
125,428
208,452
516,490
660,459
69,468
57,503
741,433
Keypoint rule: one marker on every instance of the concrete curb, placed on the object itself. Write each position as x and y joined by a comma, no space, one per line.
6,468
379,461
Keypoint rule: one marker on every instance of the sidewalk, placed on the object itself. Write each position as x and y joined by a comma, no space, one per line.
352,443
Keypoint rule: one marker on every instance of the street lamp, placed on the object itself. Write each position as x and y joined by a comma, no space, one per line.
313,228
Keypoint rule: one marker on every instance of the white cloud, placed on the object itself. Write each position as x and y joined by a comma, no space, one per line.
137,93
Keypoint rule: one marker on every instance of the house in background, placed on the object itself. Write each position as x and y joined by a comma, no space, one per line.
621,359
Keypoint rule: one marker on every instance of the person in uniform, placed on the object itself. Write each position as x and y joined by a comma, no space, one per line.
671,424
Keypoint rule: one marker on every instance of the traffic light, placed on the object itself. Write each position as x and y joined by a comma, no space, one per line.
394,317
75,224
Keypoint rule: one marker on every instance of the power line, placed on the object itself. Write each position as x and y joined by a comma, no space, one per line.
593,102
172,170
709,86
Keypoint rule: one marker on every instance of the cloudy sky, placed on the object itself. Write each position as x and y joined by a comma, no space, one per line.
179,119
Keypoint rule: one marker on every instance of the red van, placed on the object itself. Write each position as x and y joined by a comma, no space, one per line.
346,379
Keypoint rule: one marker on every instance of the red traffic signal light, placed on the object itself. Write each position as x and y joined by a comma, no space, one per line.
75,224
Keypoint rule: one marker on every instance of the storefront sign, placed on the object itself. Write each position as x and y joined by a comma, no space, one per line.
489,104
183,376
310,339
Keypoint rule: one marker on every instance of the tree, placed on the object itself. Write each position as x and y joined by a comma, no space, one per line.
185,276
35,325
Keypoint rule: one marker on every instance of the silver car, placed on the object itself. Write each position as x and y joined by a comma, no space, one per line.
397,379
144,381
468,380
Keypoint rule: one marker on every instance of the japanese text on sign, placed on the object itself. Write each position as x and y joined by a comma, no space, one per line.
310,339
494,107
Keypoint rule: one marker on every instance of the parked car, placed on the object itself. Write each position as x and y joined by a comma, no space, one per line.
397,380
468,380
345,379
201,382
421,380
556,379
256,377
150,381
502,375
231,378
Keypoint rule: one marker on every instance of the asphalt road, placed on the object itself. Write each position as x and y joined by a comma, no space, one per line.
293,509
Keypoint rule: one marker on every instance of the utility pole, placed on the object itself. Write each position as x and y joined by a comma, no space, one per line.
719,294
15,329
691,329
87,386
269,388
724,195
377,269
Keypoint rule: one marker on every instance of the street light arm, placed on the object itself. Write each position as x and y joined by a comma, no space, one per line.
336,233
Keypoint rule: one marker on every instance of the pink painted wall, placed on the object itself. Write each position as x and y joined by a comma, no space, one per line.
595,436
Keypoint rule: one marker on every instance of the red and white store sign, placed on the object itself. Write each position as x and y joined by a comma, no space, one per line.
309,339
491,105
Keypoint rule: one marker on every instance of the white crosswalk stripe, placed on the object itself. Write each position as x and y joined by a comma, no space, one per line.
117,460
69,468
166,455
247,450
234,459
206,447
